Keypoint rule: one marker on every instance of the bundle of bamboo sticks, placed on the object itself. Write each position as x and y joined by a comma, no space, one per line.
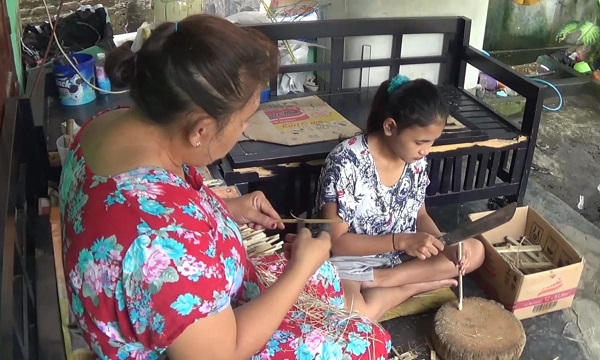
257,243
524,255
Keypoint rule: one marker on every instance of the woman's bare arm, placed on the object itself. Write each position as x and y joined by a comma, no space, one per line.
238,334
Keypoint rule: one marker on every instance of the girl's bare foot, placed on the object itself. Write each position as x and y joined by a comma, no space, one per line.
375,302
433,285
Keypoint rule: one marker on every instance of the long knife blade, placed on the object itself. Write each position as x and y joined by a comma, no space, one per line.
477,227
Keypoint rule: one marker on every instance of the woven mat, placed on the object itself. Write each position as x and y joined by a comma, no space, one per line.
421,303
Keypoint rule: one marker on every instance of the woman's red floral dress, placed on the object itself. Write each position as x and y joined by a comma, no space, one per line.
148,253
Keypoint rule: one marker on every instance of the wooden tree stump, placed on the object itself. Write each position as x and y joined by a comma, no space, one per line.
483,330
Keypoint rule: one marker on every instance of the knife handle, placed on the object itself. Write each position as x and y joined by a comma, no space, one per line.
404,257
316,229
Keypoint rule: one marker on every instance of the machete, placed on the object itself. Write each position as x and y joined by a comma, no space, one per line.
477,227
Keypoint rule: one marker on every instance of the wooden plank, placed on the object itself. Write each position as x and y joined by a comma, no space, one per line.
226,192
434,176
516,165
63,297
337,58
446,179
457,174
482,170
396,53
470,172
504,159
494,168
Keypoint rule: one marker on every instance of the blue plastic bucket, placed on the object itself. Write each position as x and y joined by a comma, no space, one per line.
72,89
265,96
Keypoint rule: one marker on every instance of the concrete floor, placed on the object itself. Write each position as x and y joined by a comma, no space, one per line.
567,156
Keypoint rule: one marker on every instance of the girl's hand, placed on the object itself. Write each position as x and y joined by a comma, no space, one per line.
255,211
422,245
451,252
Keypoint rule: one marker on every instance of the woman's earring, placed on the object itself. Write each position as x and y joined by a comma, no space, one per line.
198,144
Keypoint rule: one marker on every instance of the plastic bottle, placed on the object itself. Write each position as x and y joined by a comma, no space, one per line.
102,80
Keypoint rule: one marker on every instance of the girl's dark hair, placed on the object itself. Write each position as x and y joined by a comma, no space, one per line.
415,103
202,63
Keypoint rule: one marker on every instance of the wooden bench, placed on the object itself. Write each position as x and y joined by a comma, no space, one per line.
490,158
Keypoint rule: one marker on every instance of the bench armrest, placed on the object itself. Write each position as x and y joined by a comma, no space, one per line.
503,73
524,86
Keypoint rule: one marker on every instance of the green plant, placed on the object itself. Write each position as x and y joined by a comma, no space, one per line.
589,31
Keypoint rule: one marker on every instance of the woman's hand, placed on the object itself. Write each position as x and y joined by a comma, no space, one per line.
304,250
451,252
255,211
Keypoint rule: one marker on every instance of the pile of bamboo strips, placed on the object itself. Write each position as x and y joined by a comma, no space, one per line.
525,256
312,308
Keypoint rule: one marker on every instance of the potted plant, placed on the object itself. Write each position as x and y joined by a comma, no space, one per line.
588,37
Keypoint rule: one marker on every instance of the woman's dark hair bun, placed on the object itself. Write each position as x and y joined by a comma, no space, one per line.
202,63
120,65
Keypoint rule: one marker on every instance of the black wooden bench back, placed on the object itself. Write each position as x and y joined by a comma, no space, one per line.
456,54
456,32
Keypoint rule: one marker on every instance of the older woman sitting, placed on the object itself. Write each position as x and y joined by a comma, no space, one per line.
154,260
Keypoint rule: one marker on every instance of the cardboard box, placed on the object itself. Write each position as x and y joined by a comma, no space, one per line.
534,294
304,120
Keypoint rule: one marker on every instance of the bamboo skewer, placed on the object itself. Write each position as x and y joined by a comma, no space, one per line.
311,221
460,277
516,249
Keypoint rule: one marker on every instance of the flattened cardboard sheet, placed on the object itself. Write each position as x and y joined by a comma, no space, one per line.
298,121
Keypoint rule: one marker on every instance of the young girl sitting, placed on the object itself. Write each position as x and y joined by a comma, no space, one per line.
376,183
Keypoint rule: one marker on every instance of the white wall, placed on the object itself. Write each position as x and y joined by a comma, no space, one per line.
412,45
